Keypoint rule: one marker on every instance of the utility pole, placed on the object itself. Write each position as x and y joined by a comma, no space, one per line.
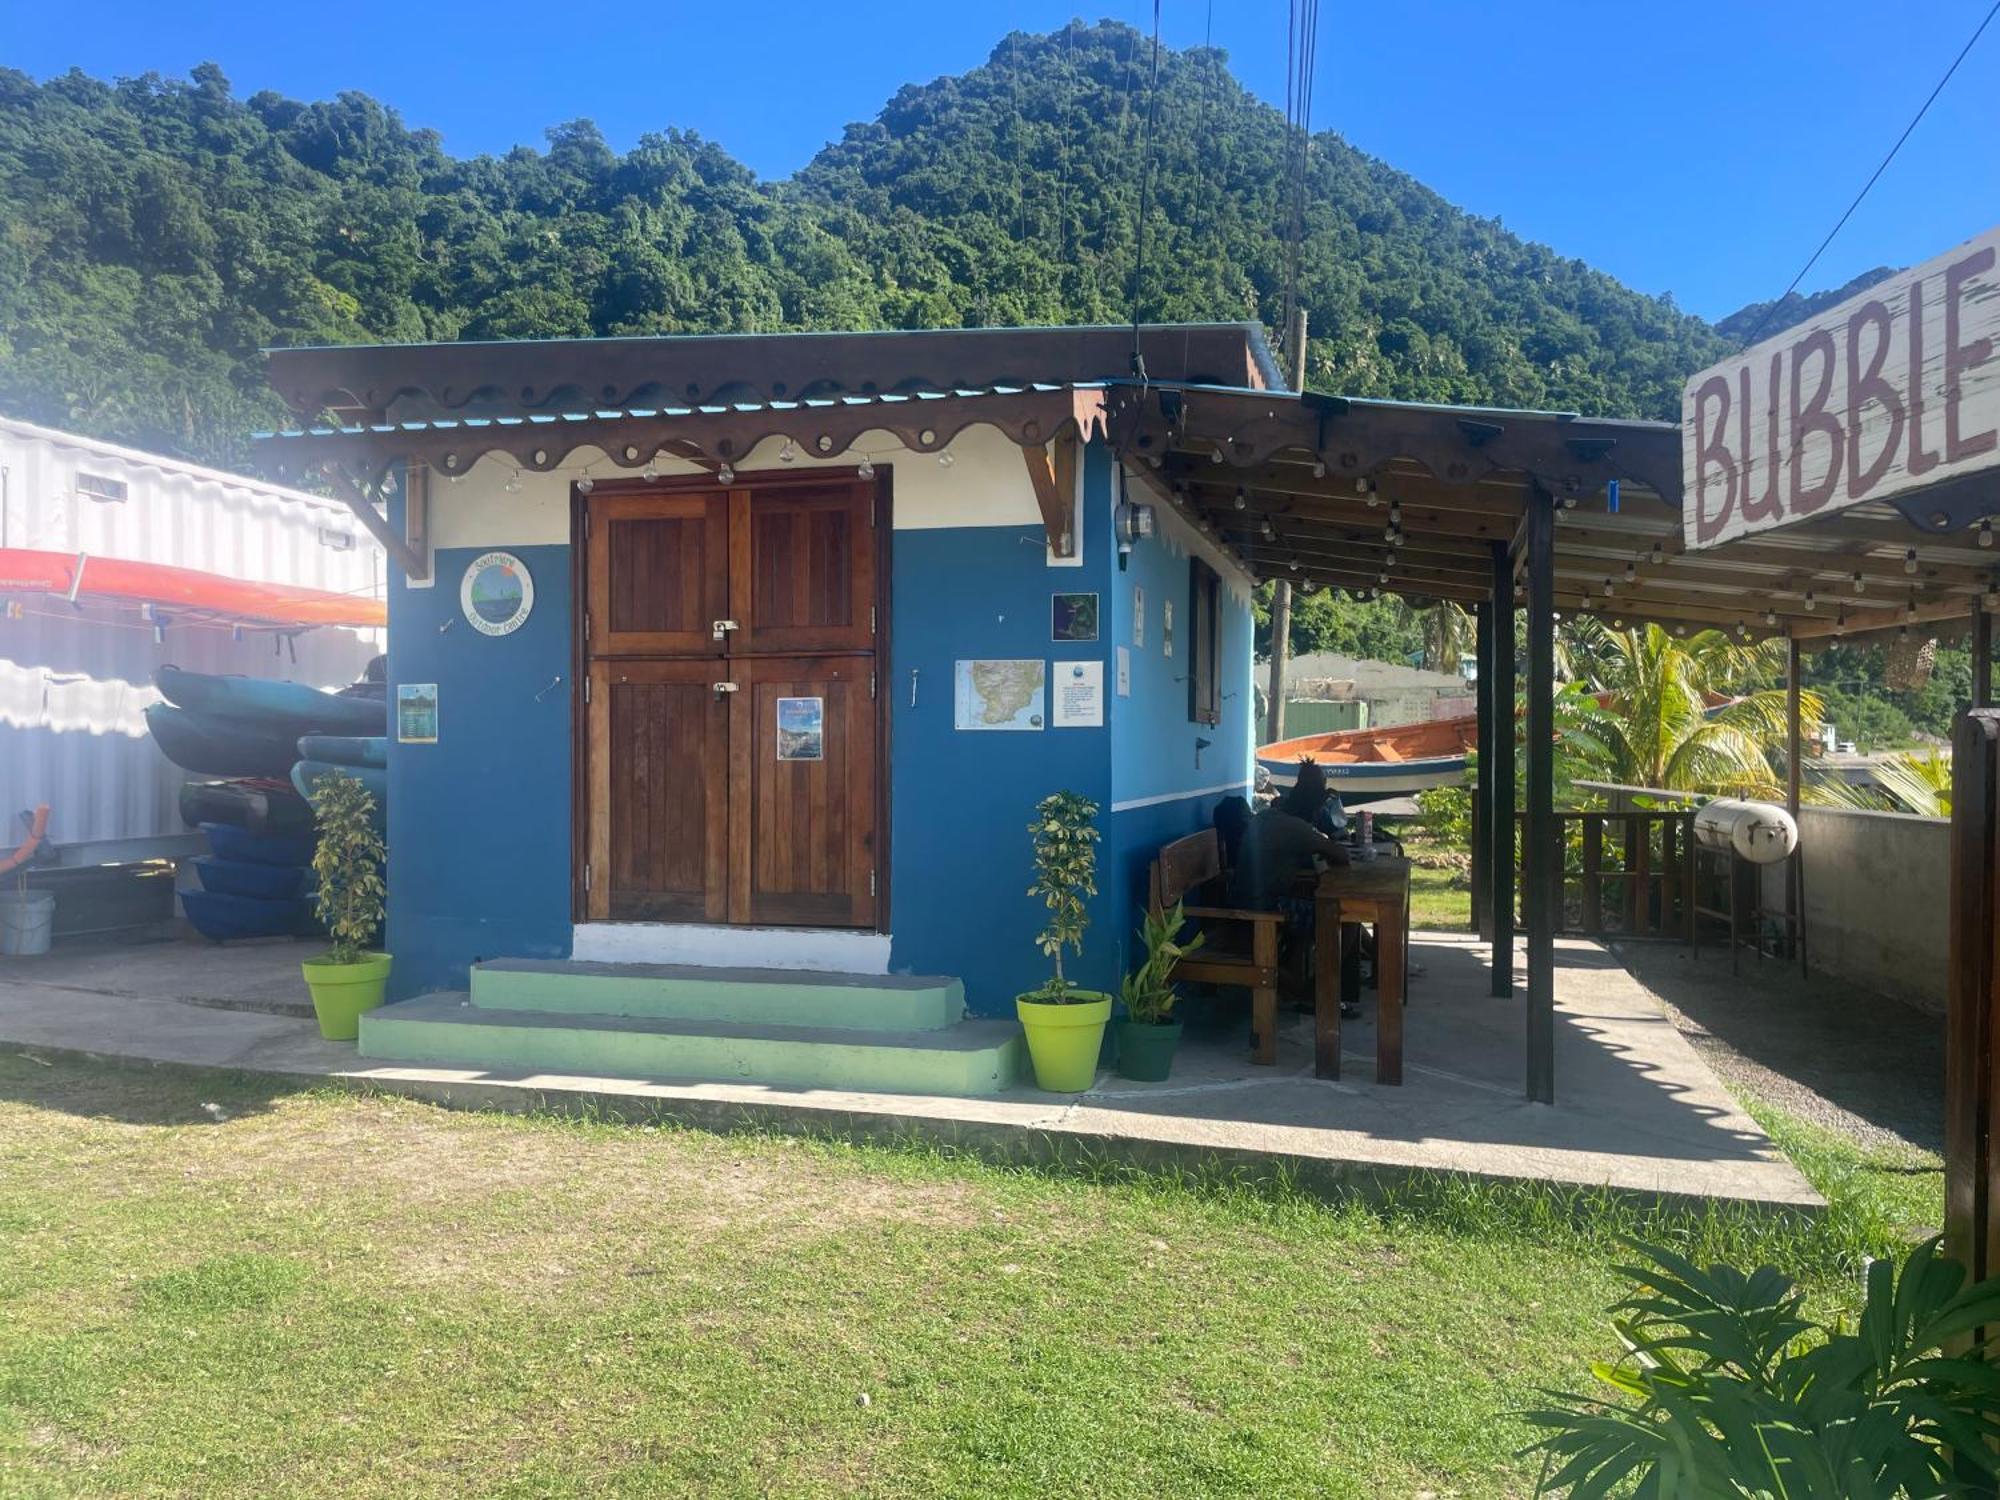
1281,596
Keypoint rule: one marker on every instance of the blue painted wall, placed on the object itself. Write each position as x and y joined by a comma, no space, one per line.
479,823
961,859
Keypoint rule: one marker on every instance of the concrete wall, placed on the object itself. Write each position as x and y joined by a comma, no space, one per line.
1875,900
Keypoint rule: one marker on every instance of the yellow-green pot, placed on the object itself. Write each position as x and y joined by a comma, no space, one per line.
341,992
1064,1040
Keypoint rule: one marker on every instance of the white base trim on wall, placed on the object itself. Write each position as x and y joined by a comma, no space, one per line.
716,947
1205,791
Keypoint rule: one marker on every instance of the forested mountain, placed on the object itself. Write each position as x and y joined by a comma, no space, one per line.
154,234
1763,319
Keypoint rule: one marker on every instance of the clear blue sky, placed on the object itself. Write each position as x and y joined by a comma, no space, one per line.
1701,148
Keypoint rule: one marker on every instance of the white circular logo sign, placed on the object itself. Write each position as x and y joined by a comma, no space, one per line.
496,594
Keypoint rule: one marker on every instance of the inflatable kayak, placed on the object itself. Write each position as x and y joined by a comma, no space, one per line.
240,846
289,709
210,746
223,917
259,805
345,749
260,882
307,773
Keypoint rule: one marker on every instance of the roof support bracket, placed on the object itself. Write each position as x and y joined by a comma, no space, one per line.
415,563
1053,476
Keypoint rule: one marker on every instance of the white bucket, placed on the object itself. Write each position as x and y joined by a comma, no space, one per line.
25,921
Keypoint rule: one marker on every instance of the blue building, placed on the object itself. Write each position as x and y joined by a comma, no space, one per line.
757,652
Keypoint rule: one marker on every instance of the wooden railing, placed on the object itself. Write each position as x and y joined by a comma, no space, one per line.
1626,874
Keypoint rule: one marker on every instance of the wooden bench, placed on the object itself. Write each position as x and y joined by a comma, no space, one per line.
1192,865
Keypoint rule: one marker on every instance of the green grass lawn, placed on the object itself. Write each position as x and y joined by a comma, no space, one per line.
1439,900
210,1289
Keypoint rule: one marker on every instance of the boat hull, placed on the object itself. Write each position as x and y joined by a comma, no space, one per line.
289,709
266,806
1357,784
346,749
209,746
225,918
308,773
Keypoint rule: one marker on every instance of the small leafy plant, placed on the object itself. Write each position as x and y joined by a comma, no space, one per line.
348,863
1728,1389
1148,991
1065,836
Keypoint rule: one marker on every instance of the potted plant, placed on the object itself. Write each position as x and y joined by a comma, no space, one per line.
1065,1025
1149,1033
347,979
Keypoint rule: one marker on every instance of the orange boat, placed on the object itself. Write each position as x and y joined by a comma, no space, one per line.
1368,765
76,575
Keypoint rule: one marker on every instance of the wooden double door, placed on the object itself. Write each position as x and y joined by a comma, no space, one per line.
732,744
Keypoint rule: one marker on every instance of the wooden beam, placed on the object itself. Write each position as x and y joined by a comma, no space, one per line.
417,516
1500,809
1543,866
1982,658
1054,499
356,499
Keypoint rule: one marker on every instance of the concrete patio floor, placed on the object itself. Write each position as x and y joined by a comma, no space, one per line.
1636,1109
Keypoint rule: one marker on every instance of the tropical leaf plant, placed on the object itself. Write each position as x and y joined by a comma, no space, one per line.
1148,991
1687,714
1729,1389
1906,783
1065,838
348,862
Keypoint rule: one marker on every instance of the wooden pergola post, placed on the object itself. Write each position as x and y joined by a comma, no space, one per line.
1500,796
1482,794
1972,992
1543,866
1795,874
1982,656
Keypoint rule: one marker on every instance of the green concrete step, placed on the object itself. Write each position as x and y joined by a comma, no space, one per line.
972,1057
761,997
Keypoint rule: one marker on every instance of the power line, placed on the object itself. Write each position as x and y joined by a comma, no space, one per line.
1146,196
1915,120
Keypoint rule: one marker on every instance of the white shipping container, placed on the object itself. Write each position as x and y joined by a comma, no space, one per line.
75,679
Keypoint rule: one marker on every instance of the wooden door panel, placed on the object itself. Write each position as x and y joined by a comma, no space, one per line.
803,848
659,574
803,567
659,752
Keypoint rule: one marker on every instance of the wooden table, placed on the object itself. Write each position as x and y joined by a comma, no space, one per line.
1374,891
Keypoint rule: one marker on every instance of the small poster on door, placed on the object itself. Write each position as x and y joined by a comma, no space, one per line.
1138,618
1073,617
1167,627
802,729
416,713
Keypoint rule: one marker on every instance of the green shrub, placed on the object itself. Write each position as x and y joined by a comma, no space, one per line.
1728,1389
1065,835
348,862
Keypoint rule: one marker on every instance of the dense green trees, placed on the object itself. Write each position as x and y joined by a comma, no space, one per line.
154,234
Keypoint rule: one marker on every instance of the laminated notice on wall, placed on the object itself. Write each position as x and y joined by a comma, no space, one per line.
416,713
1079,695
802,729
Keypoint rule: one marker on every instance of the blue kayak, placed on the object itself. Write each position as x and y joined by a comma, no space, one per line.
209,746
222,917
345,749
261,882
307,773
240,846
289,709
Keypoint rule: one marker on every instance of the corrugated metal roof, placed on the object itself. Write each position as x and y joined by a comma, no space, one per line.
533,421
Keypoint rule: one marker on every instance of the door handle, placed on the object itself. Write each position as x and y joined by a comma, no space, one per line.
724,687
722,628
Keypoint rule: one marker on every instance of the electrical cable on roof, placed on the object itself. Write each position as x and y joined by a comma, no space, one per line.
1915,120
1301,64
1145,199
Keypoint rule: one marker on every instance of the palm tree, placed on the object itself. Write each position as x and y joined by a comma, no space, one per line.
1686,714
1905,783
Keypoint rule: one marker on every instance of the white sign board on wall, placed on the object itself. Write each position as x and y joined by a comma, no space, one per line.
1894,390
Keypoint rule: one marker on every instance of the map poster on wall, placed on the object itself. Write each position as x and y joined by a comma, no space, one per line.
802,729
1079,695
998,694
417,713
1073,617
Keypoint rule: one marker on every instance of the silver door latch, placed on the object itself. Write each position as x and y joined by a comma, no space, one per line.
724,687
722,628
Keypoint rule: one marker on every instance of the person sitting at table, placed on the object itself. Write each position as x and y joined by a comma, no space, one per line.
1282,844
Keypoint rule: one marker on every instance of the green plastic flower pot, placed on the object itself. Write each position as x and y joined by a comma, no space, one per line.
342,992
1064,1040
1146,1051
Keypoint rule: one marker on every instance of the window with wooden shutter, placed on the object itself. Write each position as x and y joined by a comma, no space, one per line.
1204,643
